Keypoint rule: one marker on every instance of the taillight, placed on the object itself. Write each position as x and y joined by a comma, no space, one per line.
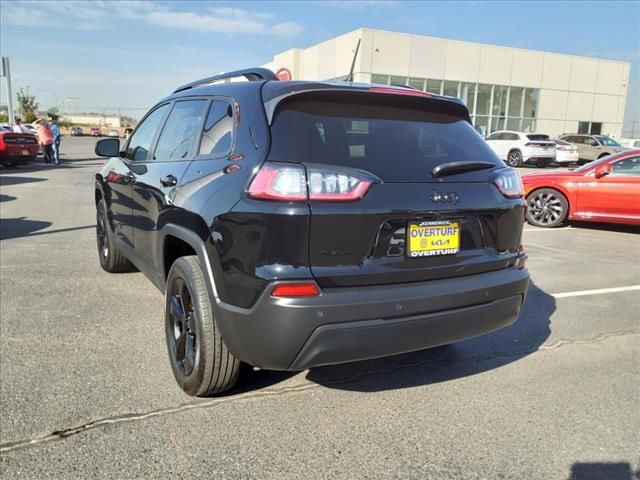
509,183
295,290
279,182
561,148
293,182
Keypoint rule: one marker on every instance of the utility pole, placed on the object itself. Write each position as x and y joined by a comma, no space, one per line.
6,73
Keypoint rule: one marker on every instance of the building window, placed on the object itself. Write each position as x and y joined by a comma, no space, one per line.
400,81
593,128
468,94
434,86
516,95
450,88
530,102
481,125
382,79
484,100
528,125
417,83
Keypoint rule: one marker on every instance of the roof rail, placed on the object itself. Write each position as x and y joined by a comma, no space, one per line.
251,74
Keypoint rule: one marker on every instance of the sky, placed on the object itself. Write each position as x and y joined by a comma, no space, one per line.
126,55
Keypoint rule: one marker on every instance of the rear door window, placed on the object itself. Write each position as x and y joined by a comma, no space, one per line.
396,144
180,130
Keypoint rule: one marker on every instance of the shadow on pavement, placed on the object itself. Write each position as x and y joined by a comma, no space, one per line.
602,471
5,181
20,227
6,198
441,364
611,227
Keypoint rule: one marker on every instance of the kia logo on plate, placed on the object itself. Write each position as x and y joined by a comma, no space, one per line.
444,197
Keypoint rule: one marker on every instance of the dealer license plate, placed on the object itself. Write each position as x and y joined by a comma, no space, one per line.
25,152
427,239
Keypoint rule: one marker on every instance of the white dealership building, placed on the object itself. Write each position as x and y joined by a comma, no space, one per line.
503,87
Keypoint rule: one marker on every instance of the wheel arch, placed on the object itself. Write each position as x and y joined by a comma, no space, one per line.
176,241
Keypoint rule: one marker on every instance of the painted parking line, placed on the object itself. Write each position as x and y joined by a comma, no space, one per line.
598,291
567,229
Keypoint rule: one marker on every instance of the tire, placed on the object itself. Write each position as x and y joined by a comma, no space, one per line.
514,158
547,208
201,362
111,260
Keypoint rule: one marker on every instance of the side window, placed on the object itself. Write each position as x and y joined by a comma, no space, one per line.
494,136
217,137
180,130
140,143
578,140
590,141
627,167
514,136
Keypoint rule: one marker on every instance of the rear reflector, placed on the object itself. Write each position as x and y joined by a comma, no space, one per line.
522,257
295,290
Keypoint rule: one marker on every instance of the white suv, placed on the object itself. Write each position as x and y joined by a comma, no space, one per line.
516,148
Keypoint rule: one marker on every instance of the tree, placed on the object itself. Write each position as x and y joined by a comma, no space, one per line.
4,117
28,107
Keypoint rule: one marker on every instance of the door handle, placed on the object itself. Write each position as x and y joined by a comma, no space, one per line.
169,181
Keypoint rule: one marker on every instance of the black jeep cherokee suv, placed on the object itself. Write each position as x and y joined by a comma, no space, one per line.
297,224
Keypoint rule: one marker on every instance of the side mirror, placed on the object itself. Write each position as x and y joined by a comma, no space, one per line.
108,147
603,171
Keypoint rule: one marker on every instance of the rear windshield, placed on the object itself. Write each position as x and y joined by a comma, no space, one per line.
396,144
561,142
537,136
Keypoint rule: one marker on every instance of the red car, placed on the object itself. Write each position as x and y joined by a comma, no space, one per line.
607,190
95,132
17,147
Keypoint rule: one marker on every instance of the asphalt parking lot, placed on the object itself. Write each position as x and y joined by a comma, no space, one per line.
87,390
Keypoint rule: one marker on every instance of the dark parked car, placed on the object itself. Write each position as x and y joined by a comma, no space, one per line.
76,131
297,224
17,148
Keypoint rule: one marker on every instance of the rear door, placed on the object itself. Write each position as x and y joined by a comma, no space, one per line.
381,238
156,179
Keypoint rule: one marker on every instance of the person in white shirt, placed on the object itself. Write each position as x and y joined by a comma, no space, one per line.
18,128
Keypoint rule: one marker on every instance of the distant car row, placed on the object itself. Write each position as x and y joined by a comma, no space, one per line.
94,132
517,148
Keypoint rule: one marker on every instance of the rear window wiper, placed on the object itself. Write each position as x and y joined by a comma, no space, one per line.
451,168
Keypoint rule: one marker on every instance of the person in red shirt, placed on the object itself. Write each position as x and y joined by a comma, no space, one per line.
45,137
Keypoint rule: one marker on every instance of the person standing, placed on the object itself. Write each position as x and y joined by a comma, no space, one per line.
18,128
55,132
46,139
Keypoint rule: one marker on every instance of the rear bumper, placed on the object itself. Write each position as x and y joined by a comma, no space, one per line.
350,324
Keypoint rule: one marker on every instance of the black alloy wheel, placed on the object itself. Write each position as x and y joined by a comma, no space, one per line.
200,360
111,260
546,208
514,159
182,323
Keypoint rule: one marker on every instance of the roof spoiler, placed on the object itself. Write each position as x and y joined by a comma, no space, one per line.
251,74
